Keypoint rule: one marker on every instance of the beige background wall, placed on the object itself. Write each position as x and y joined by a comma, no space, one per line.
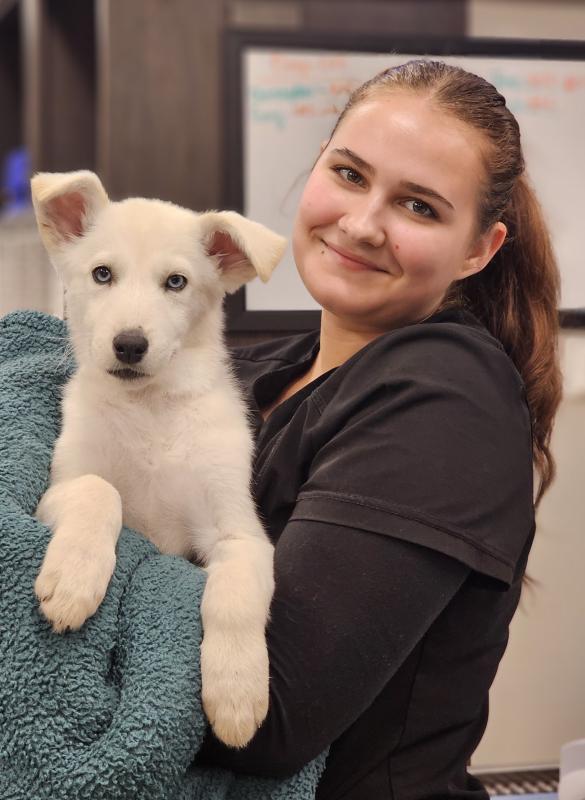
539,19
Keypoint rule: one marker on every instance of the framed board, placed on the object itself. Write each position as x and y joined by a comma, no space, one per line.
284,91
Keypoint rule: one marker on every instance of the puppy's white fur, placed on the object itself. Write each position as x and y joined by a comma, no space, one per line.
168,453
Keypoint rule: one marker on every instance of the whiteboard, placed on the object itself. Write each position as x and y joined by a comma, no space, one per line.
291,98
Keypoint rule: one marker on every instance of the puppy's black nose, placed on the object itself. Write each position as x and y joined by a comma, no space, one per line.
130,346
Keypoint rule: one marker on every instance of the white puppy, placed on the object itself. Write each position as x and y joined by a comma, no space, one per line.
154,432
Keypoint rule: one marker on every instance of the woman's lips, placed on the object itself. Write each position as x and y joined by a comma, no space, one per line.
352,261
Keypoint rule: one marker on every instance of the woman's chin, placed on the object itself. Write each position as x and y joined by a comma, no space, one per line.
354,311
342,297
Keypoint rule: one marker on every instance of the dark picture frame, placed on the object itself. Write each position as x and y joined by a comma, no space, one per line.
236,42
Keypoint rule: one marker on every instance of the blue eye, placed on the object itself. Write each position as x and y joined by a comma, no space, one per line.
102,274
176,282
421,209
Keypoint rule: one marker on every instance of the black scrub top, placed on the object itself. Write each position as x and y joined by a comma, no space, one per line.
397,489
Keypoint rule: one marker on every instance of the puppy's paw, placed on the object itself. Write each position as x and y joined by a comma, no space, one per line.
73,580
234,675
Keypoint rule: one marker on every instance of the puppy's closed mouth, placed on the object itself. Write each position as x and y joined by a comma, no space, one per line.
127,374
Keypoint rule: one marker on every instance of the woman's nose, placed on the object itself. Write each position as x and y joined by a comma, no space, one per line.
363,225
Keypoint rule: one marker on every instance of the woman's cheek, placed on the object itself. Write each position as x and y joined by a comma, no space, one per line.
406,249
416,248
321,203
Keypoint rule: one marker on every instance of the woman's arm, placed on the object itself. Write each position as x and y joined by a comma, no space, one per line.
349,607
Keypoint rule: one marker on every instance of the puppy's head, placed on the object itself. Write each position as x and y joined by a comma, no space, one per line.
144,279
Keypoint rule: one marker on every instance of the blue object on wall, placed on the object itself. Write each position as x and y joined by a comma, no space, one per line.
16,181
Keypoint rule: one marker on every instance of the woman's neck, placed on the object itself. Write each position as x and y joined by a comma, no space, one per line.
338,342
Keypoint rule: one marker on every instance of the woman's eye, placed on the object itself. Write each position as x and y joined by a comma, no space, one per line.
420,208
350,175
102,274
176,282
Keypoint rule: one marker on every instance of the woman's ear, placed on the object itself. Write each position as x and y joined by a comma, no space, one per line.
65,204
242,248
484,249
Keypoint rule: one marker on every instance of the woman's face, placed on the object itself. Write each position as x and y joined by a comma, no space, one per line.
387,220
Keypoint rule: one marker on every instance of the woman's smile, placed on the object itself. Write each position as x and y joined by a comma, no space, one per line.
351,260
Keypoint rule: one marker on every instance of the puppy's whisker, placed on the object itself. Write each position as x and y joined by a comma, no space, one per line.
65,343
68,346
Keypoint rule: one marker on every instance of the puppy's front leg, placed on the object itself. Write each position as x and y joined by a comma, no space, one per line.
85,514
234,610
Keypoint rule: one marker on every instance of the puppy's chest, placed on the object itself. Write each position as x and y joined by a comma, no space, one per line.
146,444
158,469
150,447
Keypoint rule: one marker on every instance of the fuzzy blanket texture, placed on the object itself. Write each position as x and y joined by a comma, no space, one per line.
111,711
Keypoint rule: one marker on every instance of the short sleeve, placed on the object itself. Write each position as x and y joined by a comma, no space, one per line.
427,439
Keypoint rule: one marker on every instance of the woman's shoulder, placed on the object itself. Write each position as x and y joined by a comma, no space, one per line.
263,361
450,343
451,328
278,349
275,352
450,356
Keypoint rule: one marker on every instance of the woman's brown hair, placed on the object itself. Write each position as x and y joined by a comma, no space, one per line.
516,296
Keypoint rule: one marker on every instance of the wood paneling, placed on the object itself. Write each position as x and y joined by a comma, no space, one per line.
60,83
159,127
413,17
11,133
287,14
417,17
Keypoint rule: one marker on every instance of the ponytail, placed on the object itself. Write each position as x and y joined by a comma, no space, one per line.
516,297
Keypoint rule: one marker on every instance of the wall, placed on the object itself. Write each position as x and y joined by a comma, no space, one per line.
538,700
537,19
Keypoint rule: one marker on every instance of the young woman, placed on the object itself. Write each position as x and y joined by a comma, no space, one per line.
395,447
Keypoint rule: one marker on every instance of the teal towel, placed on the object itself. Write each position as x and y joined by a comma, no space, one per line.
111,711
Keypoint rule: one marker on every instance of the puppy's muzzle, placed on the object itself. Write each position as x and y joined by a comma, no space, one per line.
130,346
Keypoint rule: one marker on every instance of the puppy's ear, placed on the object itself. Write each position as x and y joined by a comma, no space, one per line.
65,204
243,248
